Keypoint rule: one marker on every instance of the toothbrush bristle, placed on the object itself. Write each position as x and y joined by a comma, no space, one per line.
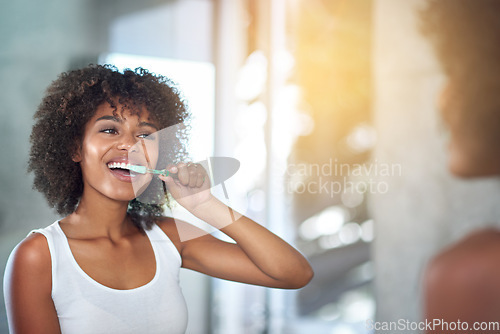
138,169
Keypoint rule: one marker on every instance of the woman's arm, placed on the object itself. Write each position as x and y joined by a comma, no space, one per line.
27,288
258,257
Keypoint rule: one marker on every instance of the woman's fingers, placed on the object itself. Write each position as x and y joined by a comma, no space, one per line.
172,168
183,173
190,174
169,180
201,179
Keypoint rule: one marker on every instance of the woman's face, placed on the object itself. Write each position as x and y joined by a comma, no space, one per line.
471,152
111,142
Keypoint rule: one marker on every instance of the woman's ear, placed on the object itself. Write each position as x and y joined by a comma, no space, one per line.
77,155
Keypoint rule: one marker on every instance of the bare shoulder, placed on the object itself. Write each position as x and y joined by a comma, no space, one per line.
30,265
32,255
28,282
483,243
471,260
167,225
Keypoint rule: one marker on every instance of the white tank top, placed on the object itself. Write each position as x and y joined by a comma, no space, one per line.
85,306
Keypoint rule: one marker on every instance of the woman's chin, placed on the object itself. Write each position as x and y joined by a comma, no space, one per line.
471,168
124,195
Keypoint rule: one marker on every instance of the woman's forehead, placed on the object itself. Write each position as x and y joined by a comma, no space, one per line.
123,112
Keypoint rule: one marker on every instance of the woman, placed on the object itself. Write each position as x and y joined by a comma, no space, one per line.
462,282
111,264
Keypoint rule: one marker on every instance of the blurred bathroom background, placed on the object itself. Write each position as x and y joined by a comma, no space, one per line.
330,107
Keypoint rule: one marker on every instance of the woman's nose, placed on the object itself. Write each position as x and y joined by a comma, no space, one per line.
127,142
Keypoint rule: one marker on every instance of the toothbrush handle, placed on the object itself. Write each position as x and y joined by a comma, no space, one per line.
163,172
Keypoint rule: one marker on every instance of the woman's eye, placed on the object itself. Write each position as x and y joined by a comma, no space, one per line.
109,131
149,136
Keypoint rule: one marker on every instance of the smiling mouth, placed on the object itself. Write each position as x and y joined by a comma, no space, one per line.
124,171
119,165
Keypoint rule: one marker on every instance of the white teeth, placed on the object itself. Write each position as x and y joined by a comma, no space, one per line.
121,165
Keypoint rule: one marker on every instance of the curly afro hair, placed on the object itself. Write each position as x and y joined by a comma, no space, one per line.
465,35
70,101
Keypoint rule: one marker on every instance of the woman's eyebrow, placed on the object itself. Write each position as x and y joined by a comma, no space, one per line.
120,120
148,124
108,117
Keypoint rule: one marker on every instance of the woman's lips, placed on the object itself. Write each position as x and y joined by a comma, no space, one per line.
121,172
122,175
119,168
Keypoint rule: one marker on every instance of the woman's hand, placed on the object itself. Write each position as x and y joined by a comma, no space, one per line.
191,187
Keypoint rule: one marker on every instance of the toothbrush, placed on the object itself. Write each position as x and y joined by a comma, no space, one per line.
145,170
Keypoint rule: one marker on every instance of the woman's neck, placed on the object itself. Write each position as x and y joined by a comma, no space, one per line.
105,218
